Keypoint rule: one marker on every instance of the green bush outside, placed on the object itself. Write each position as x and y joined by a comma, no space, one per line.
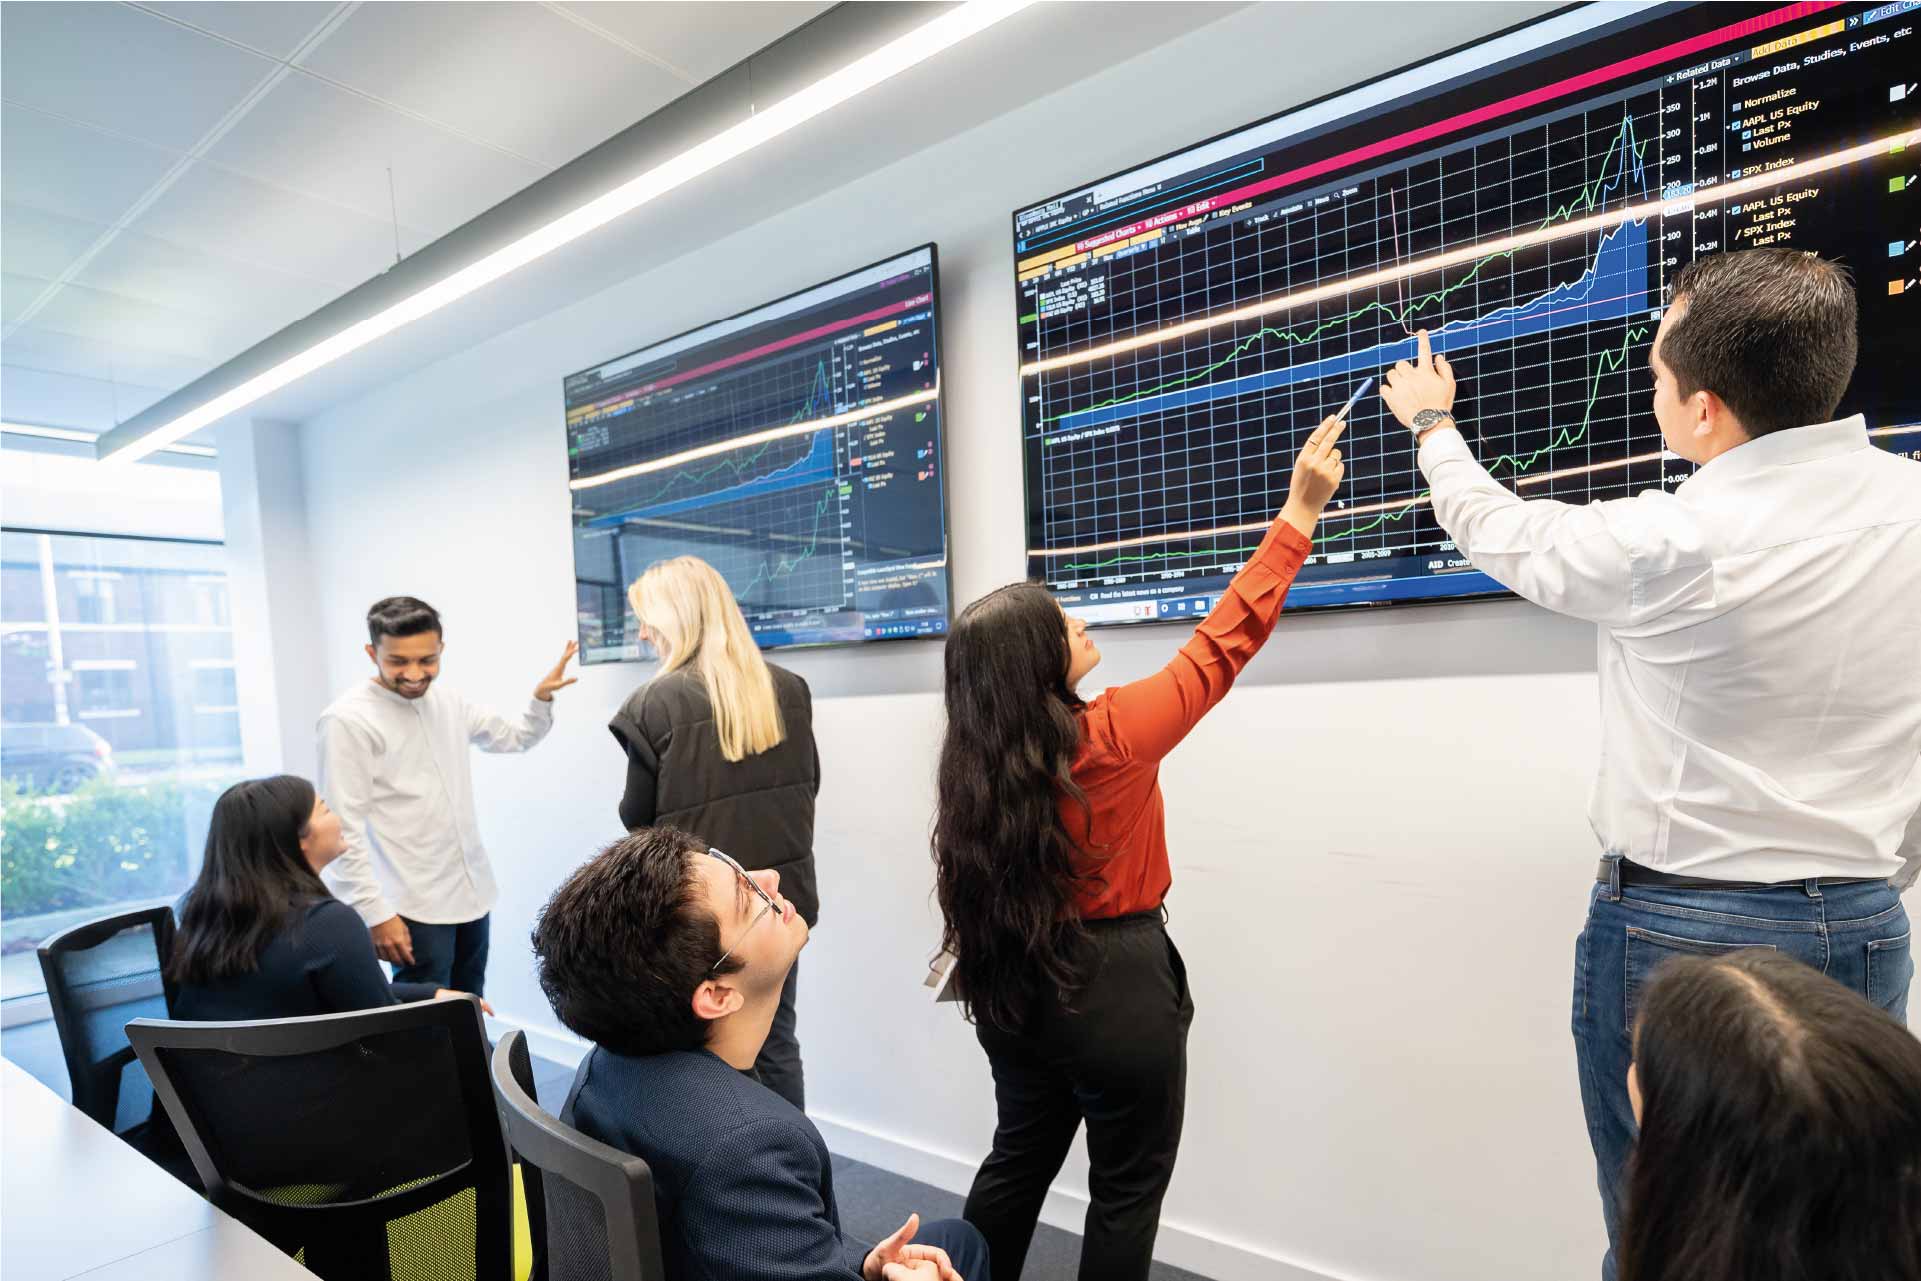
101,845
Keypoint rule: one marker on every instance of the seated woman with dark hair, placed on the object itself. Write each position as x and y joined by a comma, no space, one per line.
259,936
1780,1119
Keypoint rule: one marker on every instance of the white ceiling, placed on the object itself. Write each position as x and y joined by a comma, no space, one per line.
179,181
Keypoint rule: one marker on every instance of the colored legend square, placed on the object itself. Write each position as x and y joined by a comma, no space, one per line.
1747,146
1897,184
1894,287
1897,93
1896,248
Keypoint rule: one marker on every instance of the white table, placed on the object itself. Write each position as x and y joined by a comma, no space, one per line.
78,1202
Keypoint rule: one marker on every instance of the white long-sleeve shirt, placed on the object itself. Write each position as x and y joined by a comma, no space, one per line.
397,772
1760,648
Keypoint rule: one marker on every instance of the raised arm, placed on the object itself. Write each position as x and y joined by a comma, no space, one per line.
1618,563
1147,718
491,732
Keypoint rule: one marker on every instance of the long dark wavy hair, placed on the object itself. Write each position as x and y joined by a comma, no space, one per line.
1004,858
1780,1129
251,881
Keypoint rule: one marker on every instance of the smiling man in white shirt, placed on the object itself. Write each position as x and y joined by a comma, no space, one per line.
1760,656
394,766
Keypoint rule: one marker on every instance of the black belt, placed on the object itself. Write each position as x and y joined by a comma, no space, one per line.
1633,873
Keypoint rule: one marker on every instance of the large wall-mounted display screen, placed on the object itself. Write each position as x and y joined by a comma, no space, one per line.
795,447
1185,324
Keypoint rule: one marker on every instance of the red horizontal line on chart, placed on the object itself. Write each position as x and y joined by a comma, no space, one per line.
1487,248
759,437
1453,124
1397,504
739,357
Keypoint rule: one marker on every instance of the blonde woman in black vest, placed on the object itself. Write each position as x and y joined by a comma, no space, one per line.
720,743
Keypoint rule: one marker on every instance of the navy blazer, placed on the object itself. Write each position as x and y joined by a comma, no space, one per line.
742,1178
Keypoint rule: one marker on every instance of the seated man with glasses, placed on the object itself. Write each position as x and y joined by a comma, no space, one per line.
670,958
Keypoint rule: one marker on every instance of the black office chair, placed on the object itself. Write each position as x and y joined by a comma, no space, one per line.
366,1144
590,1207
100,974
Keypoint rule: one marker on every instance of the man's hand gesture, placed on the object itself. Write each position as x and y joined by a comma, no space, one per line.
896,1260
557,678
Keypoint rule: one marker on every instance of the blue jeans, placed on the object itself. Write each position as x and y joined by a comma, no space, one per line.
452,956
1855,934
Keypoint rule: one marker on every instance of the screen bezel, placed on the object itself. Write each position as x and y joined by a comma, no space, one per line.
932,249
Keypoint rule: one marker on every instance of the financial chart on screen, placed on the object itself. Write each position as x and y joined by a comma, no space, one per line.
795,447
1184,325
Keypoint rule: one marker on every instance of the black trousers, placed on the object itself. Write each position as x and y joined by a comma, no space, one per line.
452,956
778,1064
1117,1060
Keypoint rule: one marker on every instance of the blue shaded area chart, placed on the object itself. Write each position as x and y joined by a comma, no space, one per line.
817,464
1614,288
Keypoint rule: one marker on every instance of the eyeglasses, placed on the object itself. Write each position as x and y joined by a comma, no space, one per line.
766,900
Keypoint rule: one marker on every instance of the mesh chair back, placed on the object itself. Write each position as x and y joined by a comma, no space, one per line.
590,1206
99,975
365,1144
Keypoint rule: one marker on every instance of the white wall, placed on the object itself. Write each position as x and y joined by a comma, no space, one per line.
1381,858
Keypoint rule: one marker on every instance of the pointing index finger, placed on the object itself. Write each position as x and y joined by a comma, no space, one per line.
1425,350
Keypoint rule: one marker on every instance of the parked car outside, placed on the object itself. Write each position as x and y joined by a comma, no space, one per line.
54,758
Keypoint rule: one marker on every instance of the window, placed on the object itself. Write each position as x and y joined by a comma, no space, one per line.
214,690
104,688
120,727
93,596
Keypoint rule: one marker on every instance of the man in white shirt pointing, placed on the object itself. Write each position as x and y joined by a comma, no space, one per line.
1760,656
394,767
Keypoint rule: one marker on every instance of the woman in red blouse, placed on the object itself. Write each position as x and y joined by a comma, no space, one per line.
1051,862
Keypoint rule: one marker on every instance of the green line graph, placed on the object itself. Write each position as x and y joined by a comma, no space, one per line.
817,395
783,566
1587,200
1610,361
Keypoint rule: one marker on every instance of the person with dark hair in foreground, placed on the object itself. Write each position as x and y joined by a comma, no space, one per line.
259,935
1780,1119
670,957
1051,866
1760,676
394,766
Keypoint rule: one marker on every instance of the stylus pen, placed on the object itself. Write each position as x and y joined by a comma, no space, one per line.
1358,393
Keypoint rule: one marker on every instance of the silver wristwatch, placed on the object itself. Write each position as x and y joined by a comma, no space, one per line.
1426,418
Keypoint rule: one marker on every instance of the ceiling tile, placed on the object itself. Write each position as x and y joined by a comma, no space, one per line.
227,214
18,292
78,173
60,400
37,347
36,243
147,269
273,29
514,75
321,141
121,69
111,318
702,39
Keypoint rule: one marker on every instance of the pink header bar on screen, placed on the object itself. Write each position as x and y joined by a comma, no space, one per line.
1468,119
